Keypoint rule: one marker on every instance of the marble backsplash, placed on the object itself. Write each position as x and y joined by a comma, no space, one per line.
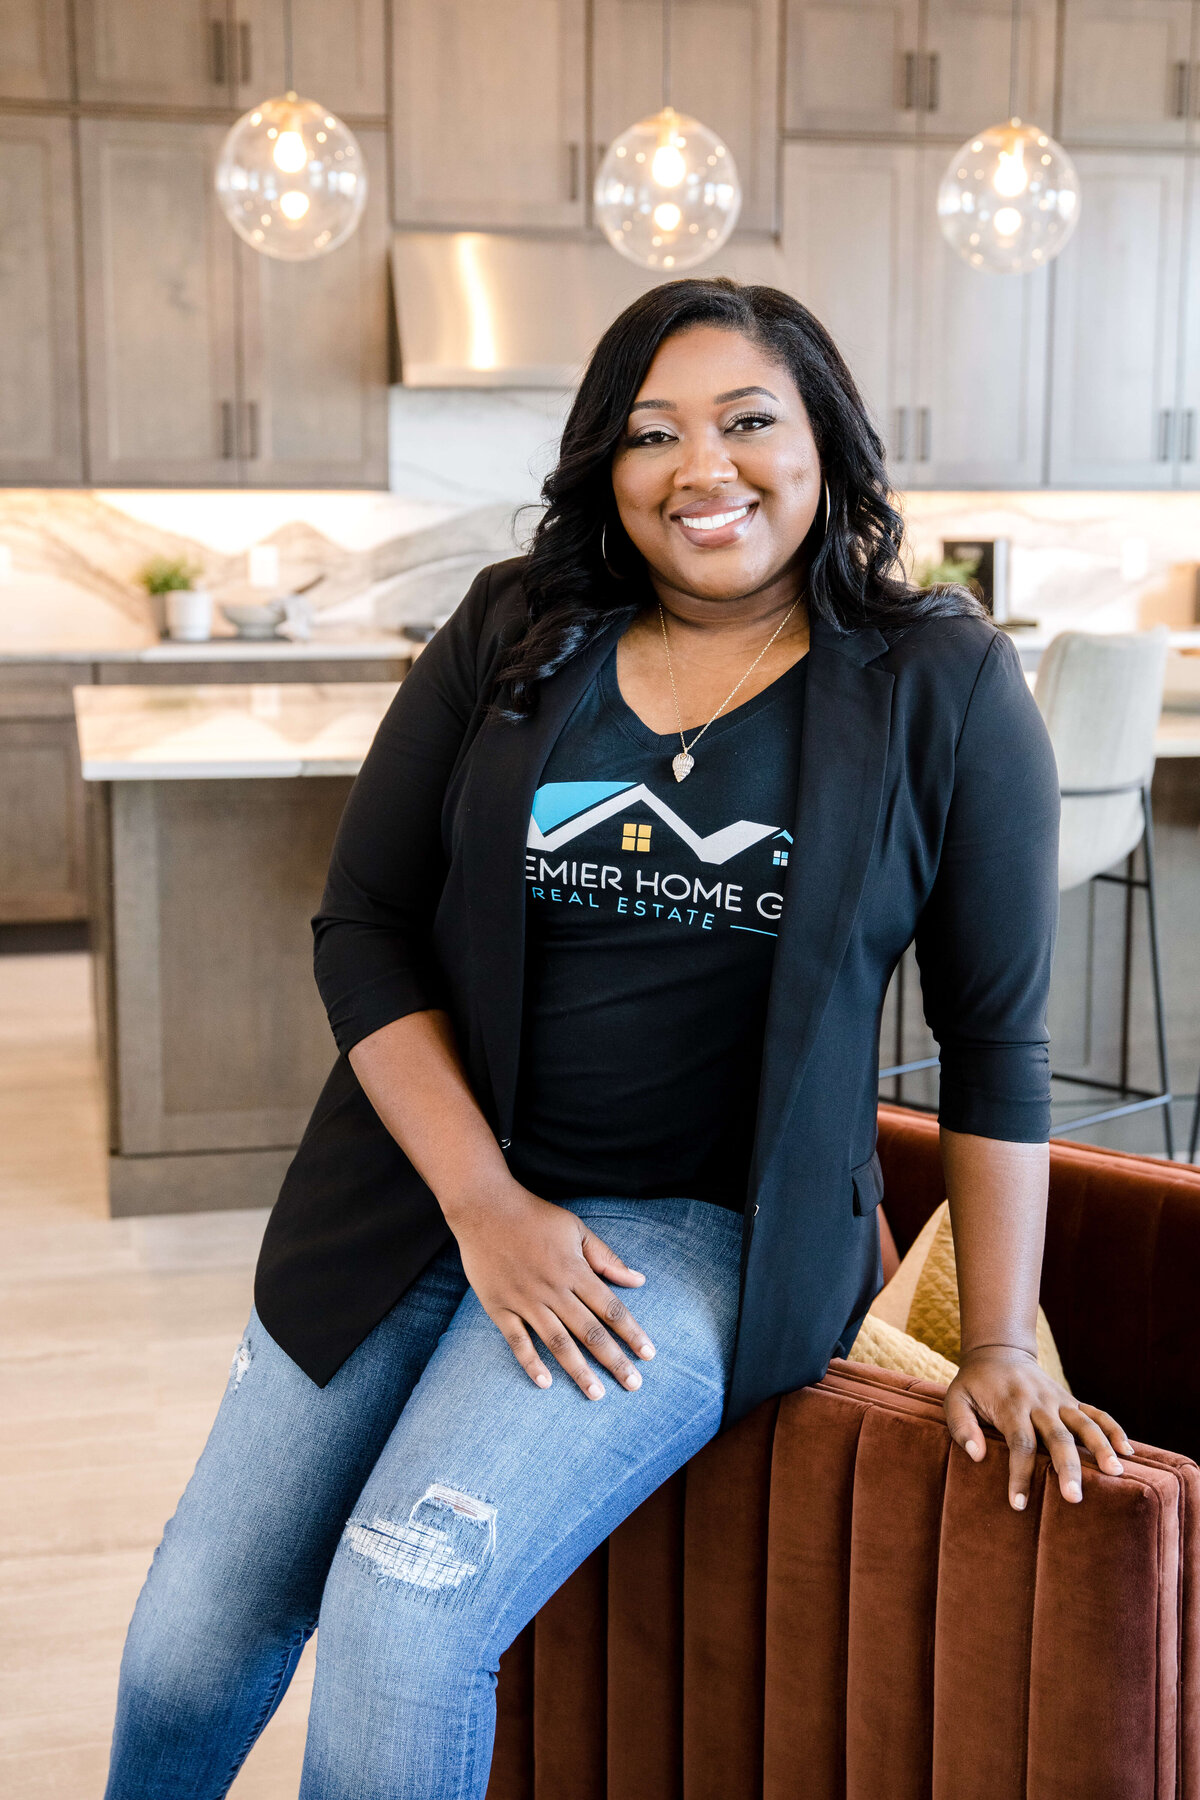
466,469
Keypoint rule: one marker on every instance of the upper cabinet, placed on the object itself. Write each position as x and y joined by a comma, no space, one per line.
979,396
950,362
206,53
724,72
313,410
903,67
159,262
147,53
33,50
967,55
337,53
209,364
1130,72
853,66
39,347
1116,326
848,242
1185,422
489,122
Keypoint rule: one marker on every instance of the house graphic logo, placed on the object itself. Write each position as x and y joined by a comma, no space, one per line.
565,810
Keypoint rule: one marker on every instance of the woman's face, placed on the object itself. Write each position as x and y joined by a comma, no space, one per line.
717,480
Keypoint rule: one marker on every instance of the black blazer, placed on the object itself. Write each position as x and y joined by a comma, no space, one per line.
927,805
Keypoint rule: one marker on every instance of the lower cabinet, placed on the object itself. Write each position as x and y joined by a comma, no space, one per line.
44,875
43,864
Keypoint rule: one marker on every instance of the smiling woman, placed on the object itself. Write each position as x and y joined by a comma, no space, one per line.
599,1033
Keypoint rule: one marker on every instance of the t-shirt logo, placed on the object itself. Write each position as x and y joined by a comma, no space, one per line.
564,810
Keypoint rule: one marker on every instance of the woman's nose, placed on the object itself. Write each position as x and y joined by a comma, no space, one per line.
703,463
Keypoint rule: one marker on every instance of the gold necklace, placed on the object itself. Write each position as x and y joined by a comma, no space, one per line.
684,762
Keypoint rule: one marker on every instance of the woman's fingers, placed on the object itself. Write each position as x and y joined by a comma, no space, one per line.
615,1314
1021,1439
1064,1452
1108,1426
521,1345
607,1263
965,1428
582,1321
1095,1439
565,1350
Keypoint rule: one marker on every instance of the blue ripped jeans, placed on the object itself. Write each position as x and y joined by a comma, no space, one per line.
418,1511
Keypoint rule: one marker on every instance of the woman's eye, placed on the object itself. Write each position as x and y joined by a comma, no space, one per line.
751,421
655,435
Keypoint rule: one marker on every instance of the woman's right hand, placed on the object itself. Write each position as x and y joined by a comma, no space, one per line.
535,1267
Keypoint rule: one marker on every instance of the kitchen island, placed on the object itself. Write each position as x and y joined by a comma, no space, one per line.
211,812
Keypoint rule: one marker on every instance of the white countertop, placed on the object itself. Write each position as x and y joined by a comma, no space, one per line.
377,647
216,732
277,729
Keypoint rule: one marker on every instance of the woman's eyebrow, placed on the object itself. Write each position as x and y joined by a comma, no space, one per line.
718,400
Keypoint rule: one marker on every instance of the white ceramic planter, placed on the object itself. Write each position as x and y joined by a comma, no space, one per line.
189,613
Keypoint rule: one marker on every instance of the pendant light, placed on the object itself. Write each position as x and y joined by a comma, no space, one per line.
1009,199
667,193
290,176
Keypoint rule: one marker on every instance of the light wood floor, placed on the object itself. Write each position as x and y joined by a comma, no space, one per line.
115,1343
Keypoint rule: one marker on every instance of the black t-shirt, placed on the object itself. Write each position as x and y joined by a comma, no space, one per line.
652,911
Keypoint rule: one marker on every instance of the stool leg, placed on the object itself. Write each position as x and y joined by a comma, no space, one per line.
1127,970
1160,1020
1194,1140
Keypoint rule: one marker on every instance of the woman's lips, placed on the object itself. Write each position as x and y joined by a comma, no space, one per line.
711,530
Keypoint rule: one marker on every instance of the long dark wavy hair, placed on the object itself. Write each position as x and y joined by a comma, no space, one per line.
583,572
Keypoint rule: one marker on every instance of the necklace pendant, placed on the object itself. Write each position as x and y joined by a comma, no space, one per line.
683,764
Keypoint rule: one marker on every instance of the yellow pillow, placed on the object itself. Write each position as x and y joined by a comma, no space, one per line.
922,1298
883,1347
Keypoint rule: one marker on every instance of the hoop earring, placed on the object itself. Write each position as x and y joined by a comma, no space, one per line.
604,553
827,507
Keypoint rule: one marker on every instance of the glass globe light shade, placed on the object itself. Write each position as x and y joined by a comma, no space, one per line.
1009,199
291,179
667,194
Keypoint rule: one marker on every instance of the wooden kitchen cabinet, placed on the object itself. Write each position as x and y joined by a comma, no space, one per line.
724,71
979,398
337,53
154,52
966,48
42,857
1116,326
34,62
314,355
848,239
40,434
489,119
1129,72
853,66
159,274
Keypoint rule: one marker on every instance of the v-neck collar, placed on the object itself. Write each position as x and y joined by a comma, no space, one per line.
781,689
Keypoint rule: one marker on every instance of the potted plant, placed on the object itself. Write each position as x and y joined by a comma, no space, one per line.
181,609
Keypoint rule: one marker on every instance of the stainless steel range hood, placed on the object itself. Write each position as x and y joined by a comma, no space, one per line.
499,309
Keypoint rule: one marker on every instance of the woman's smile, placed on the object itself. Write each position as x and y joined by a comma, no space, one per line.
712,524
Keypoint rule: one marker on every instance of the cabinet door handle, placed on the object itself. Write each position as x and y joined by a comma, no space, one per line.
218,62
1180,90
933,84
902,434
245,59
251,430
1164,434
1188,452
924,433
908,98
227,444
572,171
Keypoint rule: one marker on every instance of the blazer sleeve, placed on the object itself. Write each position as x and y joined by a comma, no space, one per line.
985,938
373,952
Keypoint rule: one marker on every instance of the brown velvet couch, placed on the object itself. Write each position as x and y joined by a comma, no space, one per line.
831,1603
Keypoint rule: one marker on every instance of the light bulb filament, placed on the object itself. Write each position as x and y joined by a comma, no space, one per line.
1011,177
289,153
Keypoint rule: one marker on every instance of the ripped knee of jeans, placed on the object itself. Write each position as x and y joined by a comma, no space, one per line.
240,1363
447,1540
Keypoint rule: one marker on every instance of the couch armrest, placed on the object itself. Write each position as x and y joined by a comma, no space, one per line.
1121,1278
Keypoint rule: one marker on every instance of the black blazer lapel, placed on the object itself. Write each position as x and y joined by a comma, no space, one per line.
506,764
843,757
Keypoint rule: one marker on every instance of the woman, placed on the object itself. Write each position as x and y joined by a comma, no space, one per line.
613,1110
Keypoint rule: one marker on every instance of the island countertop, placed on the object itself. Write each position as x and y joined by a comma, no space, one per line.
218,731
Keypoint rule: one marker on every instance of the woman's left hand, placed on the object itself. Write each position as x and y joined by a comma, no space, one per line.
1006,1387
